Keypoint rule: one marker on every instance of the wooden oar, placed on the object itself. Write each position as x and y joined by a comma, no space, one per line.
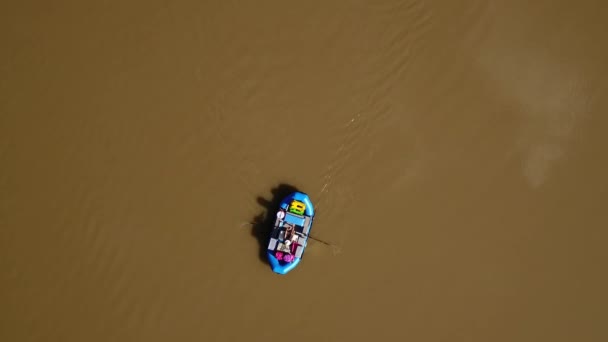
321,241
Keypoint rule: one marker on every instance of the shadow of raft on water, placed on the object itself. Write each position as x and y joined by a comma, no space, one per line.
262,224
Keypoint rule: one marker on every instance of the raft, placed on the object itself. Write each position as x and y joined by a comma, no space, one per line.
289,236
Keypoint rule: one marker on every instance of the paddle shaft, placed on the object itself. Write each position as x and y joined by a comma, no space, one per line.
321,241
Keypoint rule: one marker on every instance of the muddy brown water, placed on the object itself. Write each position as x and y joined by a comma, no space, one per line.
456,153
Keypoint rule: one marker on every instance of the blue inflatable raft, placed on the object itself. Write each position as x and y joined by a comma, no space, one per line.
289,235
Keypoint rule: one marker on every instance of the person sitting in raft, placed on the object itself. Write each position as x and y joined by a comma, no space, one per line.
290,235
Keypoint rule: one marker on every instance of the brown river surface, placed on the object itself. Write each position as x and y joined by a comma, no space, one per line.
455,151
